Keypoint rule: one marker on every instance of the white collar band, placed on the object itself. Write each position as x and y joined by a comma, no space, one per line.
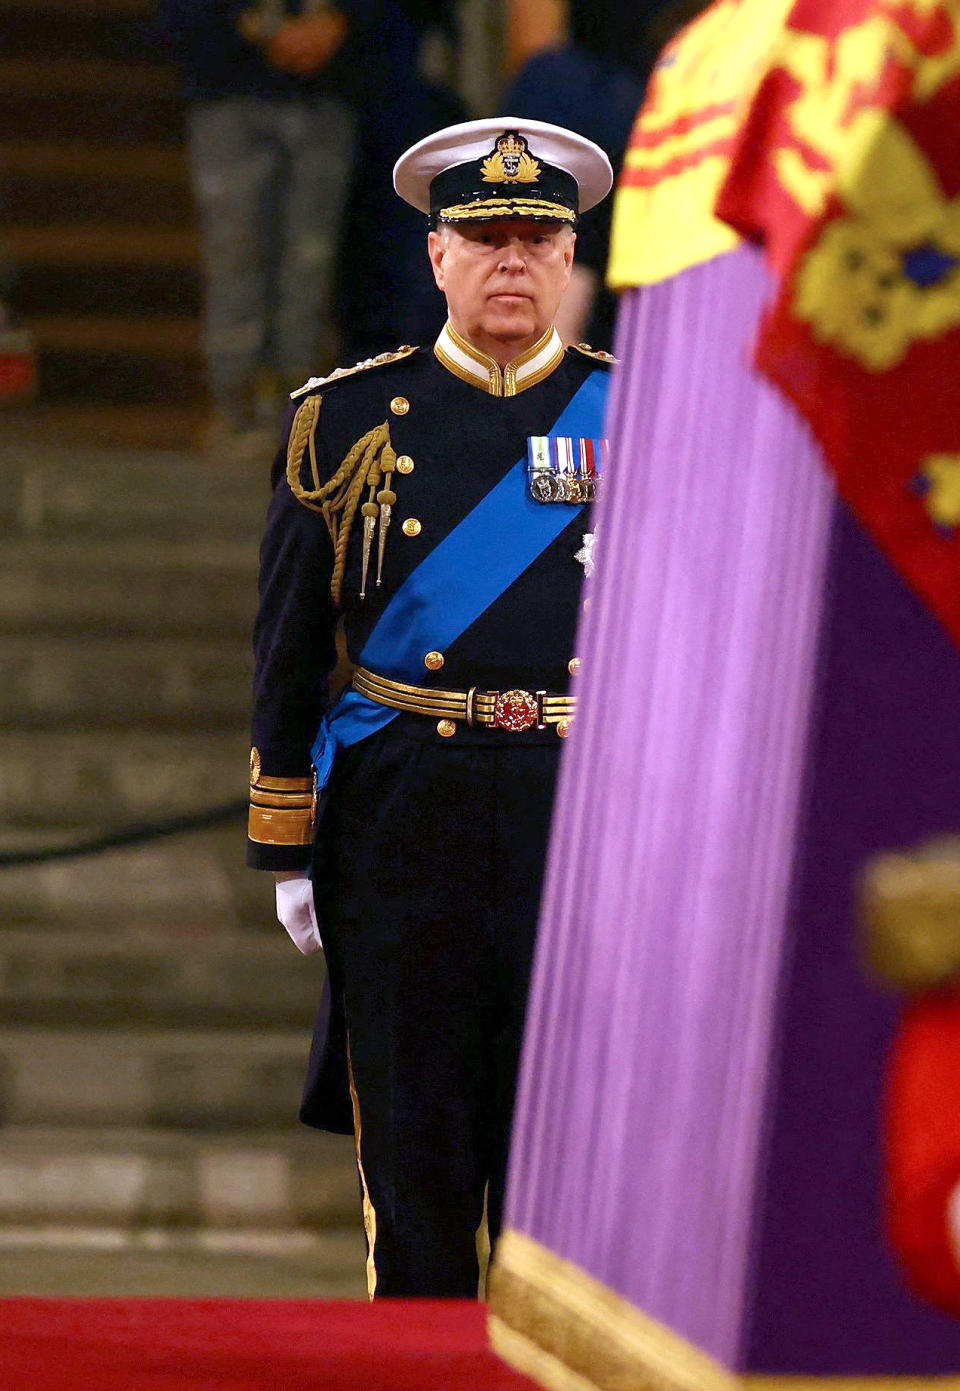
471,365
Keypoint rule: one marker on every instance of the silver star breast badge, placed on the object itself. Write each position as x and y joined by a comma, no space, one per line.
587,555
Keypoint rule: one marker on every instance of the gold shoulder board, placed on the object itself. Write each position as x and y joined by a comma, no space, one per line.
380,360
598,354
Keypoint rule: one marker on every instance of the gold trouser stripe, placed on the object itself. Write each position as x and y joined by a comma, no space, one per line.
451,705
369,1211
569,1332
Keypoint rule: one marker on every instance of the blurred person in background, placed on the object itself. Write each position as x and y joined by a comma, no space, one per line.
273,90
385,289
584,64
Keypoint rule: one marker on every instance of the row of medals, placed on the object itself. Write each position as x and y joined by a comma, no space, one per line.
549,486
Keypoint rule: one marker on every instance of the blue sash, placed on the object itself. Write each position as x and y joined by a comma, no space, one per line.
458,581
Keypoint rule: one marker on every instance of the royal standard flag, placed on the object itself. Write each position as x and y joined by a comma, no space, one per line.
681,145
846,169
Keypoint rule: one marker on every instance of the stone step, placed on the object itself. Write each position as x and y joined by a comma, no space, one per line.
105,245
186,1079
129,587
103,682
37,29
99,78
119,378
176,891
101,495
79,183
116,104
119,358
137,429
131,8
145,165
176,339
193,1263
73,780
285,1180
76,193
133,977
139,290
116,307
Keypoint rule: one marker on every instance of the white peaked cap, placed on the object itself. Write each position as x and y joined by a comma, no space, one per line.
553,148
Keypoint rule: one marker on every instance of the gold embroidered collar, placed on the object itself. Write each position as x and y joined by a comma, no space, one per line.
471,365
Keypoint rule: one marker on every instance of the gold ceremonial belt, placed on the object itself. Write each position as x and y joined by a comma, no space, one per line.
514,710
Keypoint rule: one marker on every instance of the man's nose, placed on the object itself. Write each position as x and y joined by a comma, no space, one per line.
511,256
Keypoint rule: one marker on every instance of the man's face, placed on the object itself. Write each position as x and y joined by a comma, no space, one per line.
503,281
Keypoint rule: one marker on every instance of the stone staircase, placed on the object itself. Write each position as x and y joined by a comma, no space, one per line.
95,213
154,1019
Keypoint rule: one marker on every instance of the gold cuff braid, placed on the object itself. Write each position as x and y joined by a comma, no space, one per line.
283,811
278,827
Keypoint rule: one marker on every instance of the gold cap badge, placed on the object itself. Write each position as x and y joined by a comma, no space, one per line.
510,163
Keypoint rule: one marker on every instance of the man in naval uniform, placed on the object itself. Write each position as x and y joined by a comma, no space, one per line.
434,501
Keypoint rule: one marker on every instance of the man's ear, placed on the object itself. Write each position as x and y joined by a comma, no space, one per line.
570,243
436,245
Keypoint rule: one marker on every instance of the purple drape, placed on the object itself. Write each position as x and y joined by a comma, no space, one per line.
765,704
883,771
639,1113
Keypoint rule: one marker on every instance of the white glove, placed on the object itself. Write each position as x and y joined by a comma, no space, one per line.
297,913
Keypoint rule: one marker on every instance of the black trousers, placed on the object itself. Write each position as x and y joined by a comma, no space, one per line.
432,868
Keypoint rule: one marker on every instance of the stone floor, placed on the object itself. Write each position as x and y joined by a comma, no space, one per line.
154,1018
117,1263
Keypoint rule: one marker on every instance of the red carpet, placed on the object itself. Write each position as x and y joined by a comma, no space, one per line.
247,1345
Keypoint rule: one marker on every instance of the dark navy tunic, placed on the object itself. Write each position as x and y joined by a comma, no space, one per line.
428,856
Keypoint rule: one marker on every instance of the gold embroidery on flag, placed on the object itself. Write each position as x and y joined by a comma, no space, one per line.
599,1339
942,500
861,287
567,1331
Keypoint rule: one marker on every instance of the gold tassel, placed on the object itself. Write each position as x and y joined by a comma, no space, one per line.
387,499
910,905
